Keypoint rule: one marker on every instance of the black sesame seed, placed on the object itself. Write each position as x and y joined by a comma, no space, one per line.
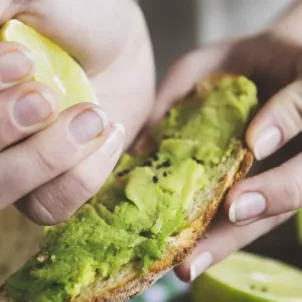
198,160
40,265
168,113
122,173
165,136
155,179
165,164
165,174
55,283
264,289
146,234
147,164
155,156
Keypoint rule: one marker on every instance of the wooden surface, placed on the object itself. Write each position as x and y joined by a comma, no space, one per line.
19,239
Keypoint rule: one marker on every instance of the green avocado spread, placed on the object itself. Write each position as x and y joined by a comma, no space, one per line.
143,202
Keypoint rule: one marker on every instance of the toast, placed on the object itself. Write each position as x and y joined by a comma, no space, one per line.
130,281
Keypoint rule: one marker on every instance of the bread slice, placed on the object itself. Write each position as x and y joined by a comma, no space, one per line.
130,281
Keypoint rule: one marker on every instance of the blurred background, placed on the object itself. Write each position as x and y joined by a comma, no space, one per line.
178,26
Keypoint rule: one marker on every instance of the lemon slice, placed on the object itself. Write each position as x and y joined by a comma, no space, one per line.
54,66
244,277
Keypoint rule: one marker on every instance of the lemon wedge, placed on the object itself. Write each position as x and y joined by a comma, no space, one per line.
53,66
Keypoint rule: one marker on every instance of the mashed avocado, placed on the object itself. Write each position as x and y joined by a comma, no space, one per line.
142,202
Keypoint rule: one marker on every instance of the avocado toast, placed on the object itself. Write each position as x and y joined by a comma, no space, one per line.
153,208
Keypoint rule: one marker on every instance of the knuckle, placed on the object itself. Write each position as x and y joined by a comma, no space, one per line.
86,186
289,110
39,211
292,194
6,46
31,86
47,163
51,154
49,206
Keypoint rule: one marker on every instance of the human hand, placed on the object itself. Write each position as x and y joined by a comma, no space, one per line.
52,163
258,204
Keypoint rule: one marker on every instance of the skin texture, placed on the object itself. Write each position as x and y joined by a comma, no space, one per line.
272,59
52,163
129,280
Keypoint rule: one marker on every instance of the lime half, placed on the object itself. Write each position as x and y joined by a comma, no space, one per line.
245,277
54,66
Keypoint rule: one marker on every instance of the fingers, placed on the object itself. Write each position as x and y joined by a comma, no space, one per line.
57,200
75,135
184,74
24,110
180,79
223,240
280,189
269,194
278,121
16,64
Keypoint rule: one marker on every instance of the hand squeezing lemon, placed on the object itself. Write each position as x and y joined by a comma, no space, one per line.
241,277
54,67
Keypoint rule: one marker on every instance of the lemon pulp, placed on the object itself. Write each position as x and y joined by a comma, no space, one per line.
53,66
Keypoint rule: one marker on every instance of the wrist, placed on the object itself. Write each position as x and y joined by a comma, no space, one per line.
289,24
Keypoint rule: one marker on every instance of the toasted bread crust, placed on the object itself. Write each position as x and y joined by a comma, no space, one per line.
185,242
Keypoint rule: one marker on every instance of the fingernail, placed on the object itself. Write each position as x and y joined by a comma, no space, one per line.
88,125
33,108
14,66
246,207
200,264
114,139
119,128
268,142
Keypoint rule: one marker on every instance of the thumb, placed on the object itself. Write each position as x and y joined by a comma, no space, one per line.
277,123
272,193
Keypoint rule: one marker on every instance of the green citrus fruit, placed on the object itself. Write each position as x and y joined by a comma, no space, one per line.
244,277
